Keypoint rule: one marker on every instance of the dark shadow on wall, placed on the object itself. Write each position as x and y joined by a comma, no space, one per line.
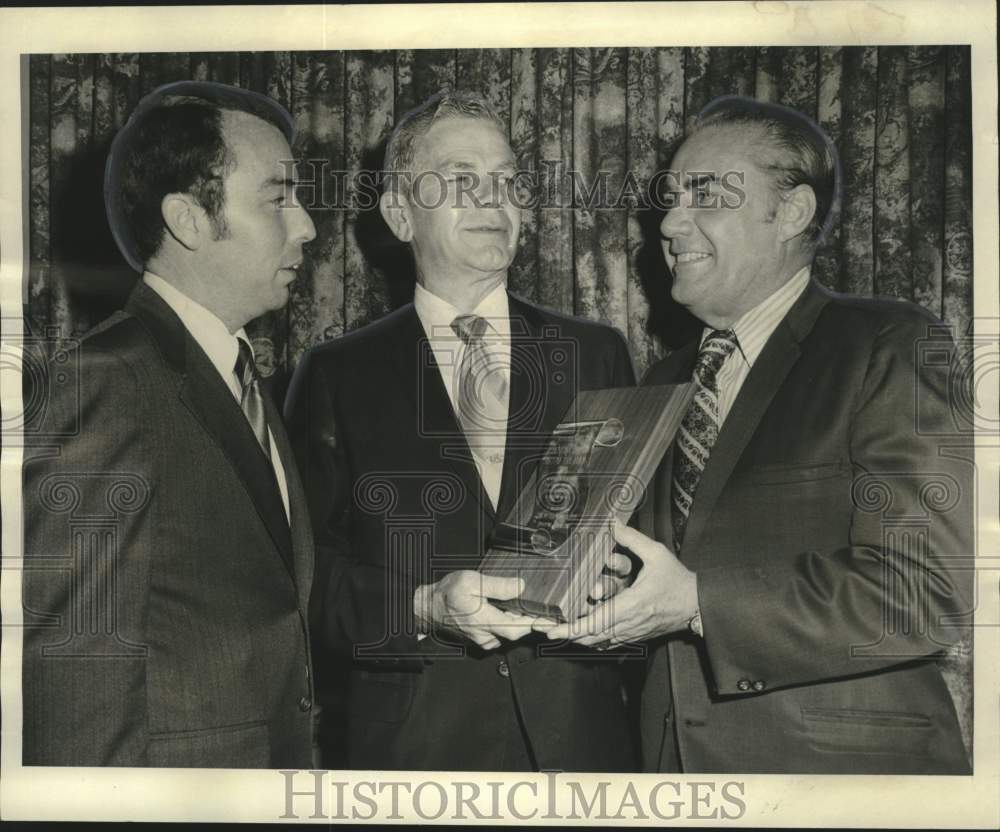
669,322
390,258
83,253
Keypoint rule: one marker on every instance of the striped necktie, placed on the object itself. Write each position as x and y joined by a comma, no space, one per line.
699,429
251,400
482,392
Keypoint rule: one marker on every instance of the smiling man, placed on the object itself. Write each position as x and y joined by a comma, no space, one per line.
814,518
415,434
168,554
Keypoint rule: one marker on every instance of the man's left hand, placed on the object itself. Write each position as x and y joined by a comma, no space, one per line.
663,599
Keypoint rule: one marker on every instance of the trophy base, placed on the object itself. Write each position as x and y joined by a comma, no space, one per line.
526,606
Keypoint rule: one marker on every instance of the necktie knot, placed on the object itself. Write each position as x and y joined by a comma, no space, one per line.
715,349
470,328
246,367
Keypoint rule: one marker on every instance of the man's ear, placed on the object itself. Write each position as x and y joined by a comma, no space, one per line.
396,212
796,211
185,219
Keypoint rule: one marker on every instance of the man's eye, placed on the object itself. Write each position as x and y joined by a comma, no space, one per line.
464,179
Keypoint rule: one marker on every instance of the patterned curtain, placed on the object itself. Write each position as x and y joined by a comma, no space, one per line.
900,116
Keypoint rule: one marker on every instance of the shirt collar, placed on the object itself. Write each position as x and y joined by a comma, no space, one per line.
755,326
205,327
436,314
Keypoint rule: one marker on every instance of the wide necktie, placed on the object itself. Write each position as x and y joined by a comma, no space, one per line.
481,392
251,399
699,429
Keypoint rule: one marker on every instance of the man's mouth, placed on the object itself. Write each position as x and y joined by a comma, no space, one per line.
691,256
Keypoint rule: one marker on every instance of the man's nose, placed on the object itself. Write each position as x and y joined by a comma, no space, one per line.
303,229
676,222
492,191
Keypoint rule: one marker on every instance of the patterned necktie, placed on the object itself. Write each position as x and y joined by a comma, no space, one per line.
699,429
251,400
482,392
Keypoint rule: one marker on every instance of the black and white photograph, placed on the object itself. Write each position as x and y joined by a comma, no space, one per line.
489,415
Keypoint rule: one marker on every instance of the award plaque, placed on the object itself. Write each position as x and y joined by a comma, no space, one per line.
596,467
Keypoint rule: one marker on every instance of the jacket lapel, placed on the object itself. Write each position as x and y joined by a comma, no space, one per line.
206,395
534,409
419,378
780,353
301,530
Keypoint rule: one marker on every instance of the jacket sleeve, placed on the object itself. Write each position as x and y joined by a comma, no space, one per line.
86,486
350,603
901,589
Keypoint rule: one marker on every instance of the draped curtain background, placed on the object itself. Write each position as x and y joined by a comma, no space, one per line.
900,117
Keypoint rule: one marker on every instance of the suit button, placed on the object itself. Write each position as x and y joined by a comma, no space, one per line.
503,669
758,686
743,684
305,704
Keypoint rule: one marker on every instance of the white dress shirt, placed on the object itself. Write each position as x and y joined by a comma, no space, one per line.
752,331
436,316
220,346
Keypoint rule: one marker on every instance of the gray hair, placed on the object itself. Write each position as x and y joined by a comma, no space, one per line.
810,158
401,148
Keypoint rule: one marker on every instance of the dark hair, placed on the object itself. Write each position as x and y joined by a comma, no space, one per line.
173,143
401,148
808,158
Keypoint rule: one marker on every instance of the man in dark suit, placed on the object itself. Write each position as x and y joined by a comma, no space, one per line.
814,512
414,435
168,551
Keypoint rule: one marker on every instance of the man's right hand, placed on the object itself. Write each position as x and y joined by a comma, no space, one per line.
459,602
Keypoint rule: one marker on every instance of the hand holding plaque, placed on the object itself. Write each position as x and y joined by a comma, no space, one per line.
558,536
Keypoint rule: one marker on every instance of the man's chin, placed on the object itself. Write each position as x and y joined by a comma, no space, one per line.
491,260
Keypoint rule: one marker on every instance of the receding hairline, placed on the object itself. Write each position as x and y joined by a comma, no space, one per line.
230,128
755,146
444,118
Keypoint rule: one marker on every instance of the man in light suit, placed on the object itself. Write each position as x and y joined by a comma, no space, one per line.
814,517
168,551
415,435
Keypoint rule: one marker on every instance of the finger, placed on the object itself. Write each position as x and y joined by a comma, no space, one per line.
598,641
589,625
491,643
618,565
499,622
632,538
606,587
518,619
503,589
544,625
560,632
513,633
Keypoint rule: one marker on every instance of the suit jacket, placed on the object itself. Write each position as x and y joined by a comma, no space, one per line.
165,592
824,534
397,502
